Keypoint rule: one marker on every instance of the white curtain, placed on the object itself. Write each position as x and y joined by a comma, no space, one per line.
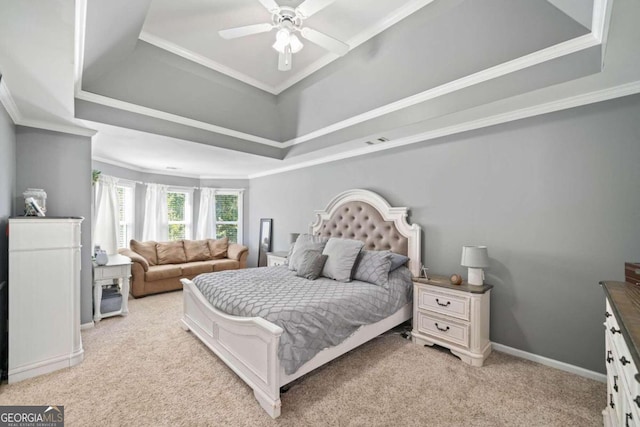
106,214
206,214
156,215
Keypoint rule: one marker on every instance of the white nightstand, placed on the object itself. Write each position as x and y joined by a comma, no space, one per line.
276,258
117,270
452,316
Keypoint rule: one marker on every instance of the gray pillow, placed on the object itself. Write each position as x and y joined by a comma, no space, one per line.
397,261
342,257
311,264
303,243
373,267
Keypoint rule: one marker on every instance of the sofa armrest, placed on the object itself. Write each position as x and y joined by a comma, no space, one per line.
134,257
236,250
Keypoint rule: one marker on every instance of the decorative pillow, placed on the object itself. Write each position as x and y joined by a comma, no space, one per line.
373,267
218,248
171,253
146,250
397,260
311,264
342,256
305,242
197,250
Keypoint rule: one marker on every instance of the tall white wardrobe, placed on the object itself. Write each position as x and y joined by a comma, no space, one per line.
44,295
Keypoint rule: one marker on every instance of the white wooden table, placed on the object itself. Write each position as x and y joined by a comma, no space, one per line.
118,268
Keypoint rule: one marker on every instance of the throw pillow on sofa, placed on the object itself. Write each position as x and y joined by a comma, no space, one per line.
146,250
218,248
171,253
196,250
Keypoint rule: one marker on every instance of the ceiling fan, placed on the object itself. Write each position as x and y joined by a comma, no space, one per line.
289,21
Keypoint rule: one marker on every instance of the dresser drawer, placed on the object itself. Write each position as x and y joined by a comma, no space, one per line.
454,332
444,303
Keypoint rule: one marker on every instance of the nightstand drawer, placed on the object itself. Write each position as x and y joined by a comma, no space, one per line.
111,272
451,331
445,303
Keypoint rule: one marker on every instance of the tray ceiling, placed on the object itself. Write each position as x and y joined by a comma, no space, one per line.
189,28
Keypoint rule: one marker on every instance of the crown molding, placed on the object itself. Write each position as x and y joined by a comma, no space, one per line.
78,43
18,119
162,172
150,112
9,104
204,61
523,113
535,58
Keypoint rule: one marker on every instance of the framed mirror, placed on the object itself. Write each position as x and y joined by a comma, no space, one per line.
265,241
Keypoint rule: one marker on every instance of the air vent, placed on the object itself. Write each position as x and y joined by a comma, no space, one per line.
377,141
172,168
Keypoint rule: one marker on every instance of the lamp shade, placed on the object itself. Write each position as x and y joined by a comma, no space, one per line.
293,237
475,257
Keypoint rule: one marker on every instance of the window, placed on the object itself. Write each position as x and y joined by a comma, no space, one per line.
228,219
179,210
125,192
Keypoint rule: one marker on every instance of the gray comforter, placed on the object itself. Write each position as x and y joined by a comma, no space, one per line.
314,314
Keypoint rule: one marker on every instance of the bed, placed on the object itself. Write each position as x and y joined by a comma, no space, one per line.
249,345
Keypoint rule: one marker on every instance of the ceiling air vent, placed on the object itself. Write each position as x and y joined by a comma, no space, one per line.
377,141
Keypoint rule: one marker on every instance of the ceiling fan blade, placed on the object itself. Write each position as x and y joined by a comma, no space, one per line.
325,41
309,7
284,60
233,33
270,5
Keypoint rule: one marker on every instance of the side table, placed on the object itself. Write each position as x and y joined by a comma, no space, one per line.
117,270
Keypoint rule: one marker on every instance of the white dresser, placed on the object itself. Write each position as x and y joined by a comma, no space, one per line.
44,295
452,316
622,329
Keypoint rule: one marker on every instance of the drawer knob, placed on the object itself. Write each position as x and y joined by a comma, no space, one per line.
615,331
637,400
609,356
627,417
615,383
441,329
443,304
607,314
613,405
624,361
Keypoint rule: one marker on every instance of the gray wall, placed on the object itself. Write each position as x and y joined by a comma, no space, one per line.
60,163
133,175
7,184
554,197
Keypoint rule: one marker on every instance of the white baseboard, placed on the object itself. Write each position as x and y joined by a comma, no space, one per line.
88,325
550,362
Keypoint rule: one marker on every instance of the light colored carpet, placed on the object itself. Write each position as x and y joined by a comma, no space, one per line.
145,370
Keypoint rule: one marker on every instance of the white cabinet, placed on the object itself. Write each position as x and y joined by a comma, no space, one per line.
452,316
44,295
117,270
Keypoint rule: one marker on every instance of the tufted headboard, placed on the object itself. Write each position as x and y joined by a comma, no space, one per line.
366,216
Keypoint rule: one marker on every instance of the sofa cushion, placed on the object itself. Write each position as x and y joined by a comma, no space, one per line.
224,264
146,250
196,250
218,248
159,272
196,267
171,253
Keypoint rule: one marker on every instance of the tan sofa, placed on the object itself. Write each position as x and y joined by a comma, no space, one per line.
159,266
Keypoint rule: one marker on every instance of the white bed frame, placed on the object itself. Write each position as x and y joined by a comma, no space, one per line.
249,345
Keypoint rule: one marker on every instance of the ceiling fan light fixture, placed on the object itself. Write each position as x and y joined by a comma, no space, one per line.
283,38
295,43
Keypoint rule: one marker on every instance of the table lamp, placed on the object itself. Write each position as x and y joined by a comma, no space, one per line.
475,258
